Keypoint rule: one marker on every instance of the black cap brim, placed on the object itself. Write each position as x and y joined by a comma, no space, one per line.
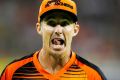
73,16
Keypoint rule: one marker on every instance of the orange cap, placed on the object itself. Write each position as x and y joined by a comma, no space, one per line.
65,5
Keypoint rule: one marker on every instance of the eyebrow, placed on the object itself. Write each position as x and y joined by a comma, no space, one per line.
49,17
68,18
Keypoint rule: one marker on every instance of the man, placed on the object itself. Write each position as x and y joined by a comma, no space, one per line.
57,24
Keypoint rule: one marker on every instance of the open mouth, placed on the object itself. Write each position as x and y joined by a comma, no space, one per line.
57,43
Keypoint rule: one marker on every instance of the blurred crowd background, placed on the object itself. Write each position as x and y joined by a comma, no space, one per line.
98,40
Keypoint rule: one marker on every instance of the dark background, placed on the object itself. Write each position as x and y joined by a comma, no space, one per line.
98,40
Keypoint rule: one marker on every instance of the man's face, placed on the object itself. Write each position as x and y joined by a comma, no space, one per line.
57,30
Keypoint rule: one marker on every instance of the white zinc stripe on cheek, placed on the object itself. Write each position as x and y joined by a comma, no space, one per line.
48,28
69,27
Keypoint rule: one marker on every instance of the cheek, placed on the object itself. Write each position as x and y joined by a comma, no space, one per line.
68,34
69,28
69,31
47,31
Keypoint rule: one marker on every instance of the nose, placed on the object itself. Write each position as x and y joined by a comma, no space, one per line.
58,30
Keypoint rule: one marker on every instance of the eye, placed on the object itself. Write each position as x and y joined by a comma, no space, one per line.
51,22
64,23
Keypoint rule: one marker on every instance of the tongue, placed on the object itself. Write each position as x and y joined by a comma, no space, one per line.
56,42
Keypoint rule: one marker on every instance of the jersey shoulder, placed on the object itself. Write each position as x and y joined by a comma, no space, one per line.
91,65
17,63
23,60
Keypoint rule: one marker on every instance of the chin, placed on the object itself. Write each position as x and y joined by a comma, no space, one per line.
57,51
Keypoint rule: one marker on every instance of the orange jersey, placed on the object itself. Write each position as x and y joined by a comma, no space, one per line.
29,68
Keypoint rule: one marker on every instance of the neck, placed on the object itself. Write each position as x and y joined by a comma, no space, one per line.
53,62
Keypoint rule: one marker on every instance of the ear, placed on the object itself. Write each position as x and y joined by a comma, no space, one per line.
38,28
76,29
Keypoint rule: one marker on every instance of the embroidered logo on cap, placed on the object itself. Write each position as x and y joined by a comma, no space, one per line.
57,2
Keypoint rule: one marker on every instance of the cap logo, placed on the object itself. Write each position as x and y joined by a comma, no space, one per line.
57,2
